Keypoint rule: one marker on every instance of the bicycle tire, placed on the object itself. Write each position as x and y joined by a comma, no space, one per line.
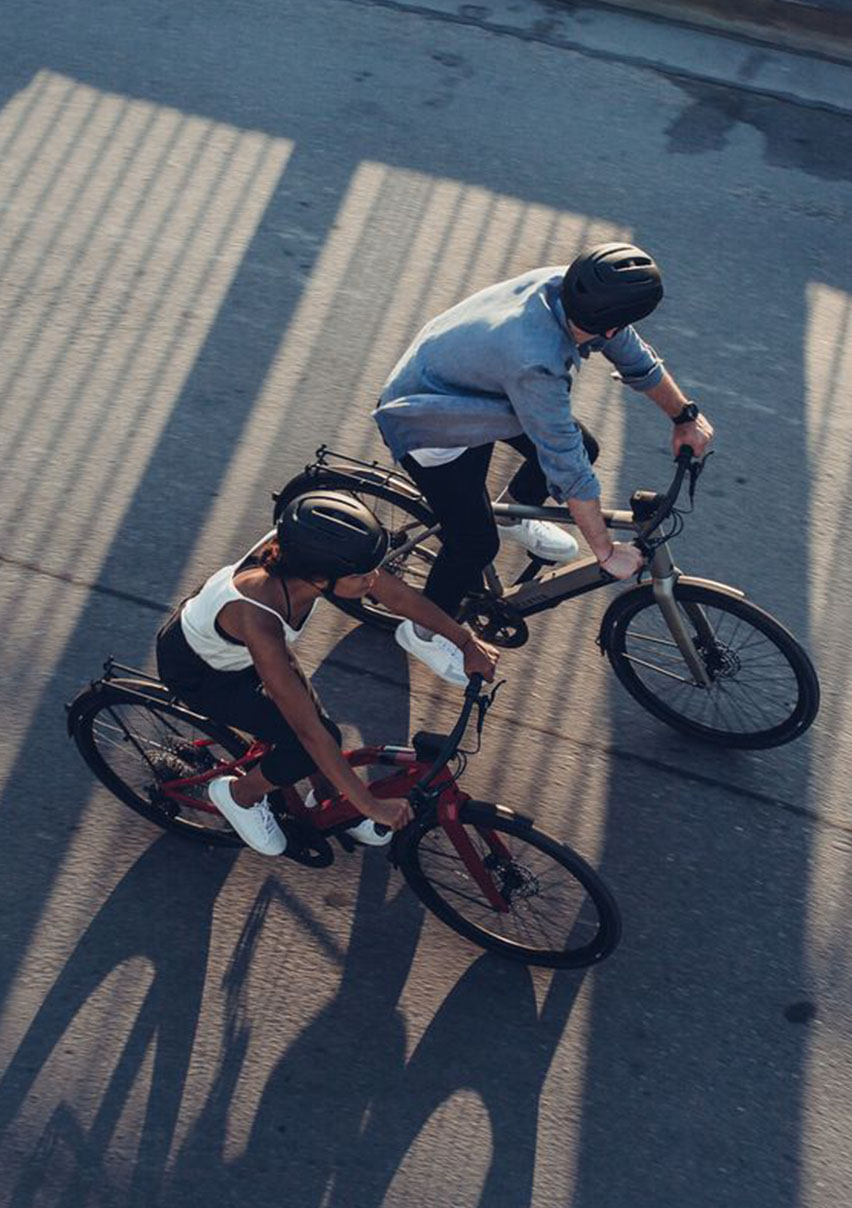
793,706
425,844
92,704
397,511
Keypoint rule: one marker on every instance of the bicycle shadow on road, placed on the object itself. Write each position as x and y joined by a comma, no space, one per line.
344,1106
160,913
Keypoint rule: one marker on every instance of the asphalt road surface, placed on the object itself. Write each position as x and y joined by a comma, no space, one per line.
219,225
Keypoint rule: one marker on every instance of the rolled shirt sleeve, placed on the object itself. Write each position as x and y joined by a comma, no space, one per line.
636,362
542,402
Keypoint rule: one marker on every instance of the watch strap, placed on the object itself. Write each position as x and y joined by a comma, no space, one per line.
687,414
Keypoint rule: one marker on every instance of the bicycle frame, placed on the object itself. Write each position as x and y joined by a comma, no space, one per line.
411,778
541,590
548,590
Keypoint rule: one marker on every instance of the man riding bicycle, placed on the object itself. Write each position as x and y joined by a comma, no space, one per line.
227,653
499,366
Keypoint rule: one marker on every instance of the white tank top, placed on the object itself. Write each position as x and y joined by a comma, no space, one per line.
199,613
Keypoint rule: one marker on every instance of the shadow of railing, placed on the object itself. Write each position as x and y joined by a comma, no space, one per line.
671,865
179,464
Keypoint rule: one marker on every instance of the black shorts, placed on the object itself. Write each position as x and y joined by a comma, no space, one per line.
235,698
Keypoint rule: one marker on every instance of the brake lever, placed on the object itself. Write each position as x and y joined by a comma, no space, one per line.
696,469
483,704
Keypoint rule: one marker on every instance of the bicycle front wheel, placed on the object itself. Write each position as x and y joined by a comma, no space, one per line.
134,741
763,688
559,913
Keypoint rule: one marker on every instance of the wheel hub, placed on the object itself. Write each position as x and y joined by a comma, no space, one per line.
516,880
721,661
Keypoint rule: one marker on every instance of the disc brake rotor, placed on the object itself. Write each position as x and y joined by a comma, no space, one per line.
516,880
721,661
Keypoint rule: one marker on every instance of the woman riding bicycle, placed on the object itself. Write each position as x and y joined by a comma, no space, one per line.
227,653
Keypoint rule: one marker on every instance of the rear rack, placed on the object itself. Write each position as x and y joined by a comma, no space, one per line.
377,473
132,692
112,666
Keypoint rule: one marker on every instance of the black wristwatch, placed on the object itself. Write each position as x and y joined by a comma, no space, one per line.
687,414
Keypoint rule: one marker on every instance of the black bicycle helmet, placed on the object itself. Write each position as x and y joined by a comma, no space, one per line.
328,534
611,285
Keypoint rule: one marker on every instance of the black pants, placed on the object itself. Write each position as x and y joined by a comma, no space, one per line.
458,496
235,698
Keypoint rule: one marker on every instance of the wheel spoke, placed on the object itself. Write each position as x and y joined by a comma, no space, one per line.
141,745
550,910
631,658
755,692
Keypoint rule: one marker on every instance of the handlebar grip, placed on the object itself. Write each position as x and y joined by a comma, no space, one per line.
474,684
685,453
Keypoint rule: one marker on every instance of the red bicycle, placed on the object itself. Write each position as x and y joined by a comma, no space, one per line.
487,872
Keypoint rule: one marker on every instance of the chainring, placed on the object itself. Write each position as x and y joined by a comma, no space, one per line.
495,622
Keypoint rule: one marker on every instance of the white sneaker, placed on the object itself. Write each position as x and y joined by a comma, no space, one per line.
542,539
438,653
256,825
365,832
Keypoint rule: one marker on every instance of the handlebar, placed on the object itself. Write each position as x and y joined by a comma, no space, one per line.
472,696
686,464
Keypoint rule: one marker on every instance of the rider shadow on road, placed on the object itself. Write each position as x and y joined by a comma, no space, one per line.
345,1104
160,913
344,1107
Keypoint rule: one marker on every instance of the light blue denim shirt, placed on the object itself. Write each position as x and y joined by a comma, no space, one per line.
501,363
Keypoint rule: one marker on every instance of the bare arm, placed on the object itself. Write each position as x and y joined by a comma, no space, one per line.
619,559
670,399
590,521
398,597
668,395
288,688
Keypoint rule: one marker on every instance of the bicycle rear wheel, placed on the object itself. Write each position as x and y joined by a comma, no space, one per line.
133,743
560,912
764,690
407,519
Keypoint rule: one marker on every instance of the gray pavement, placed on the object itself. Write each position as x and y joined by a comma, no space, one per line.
217,231
752,61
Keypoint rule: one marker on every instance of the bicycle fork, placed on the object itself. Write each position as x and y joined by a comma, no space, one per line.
448,815
664,577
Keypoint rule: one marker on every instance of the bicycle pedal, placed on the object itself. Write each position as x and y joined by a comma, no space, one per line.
309,857
305,845
533,566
